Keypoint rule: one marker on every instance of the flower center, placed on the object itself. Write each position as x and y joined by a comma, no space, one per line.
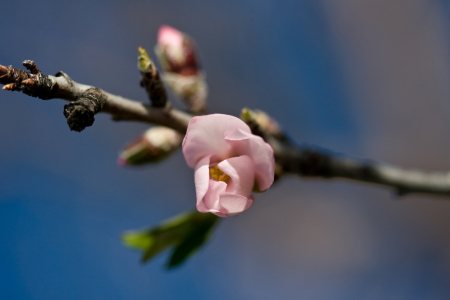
216,174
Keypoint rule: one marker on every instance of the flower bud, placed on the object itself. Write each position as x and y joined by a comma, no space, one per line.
153,146
178,56
191,89
265,123
176,52
151,80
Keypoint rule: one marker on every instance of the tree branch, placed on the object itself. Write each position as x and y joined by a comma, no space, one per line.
61,86
86,101
313,162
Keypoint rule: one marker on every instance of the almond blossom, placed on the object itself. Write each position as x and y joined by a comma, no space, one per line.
229,162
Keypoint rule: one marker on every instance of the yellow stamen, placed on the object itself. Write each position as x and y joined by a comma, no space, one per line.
216,174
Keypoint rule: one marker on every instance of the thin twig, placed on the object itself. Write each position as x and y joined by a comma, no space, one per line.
151,80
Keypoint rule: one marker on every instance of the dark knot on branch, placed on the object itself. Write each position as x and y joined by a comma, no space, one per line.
80,113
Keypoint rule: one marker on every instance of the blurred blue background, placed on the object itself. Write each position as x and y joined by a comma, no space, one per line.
366,78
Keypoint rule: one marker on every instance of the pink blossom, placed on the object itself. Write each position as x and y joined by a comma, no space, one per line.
228,160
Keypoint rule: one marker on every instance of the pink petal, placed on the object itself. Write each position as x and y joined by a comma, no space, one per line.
203,209
219,213
232,204
201,178
237,135
211,199
205,136
259,151
242,173
169,36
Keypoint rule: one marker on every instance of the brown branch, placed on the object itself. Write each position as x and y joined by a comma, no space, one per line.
86,101
318,163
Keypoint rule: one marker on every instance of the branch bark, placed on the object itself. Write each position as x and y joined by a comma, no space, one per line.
86,101
318,163
61,86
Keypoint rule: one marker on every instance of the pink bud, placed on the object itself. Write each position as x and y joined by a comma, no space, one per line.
176,51
228,160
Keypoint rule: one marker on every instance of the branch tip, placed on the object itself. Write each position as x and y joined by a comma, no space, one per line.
31,66
3,70
9,87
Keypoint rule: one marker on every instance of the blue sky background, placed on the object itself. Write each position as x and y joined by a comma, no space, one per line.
368,79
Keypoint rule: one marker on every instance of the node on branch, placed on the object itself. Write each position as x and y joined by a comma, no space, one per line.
80,113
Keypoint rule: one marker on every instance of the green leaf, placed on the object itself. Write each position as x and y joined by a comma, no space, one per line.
137,239
192,243
185,233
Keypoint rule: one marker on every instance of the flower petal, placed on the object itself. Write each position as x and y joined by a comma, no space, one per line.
242,173
210,202
205,136
237,135
201,178
232,204
259,151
